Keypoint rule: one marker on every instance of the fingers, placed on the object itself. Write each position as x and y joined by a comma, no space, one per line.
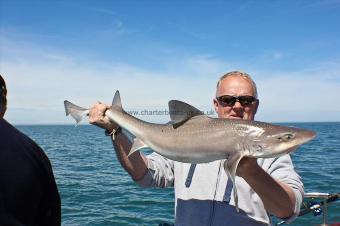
246,166
97,116
97,113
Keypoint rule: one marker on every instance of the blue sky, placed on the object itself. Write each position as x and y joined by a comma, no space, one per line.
154,51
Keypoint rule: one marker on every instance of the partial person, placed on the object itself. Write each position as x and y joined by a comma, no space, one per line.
28,191
203,191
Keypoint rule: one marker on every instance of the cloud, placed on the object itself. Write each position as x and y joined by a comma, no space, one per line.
102,10
272,56
277,55
244,6
300,96
324,3
43,89
39,81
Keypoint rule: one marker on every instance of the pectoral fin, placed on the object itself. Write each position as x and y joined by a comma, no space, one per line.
137,145
230,167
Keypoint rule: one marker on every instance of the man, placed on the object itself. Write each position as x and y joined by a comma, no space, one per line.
28,192
203,191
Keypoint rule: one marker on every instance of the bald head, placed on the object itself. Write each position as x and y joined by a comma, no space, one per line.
239,74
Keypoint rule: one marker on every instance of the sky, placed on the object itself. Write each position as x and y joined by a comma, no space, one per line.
155,51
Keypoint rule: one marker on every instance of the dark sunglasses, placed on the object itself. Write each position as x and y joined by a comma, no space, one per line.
227,100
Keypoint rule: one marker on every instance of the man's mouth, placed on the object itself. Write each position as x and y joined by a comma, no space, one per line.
235,117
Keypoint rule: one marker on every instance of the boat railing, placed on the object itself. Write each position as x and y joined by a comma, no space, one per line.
317,203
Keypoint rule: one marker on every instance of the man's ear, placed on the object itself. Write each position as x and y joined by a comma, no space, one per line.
256,106
215,105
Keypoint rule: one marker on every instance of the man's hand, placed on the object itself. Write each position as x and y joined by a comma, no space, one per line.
97,117
247,167
278,198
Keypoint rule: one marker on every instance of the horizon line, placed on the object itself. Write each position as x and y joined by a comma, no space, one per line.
70,124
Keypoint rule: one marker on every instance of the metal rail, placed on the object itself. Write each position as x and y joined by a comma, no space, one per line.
317,207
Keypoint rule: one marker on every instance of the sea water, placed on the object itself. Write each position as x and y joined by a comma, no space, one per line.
95,190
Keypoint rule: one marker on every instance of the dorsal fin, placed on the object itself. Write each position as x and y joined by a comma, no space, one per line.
180,112
116,102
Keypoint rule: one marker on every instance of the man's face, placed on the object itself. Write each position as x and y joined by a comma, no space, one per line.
235,86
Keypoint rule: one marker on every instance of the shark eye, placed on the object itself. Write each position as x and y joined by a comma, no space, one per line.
288,136
285,137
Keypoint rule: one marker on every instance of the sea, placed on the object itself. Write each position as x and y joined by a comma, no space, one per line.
95,190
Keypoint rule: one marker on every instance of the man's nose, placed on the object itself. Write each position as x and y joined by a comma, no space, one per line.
237,105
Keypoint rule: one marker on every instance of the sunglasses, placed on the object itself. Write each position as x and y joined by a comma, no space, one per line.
227,100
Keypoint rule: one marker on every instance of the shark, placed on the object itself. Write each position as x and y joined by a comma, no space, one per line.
193,137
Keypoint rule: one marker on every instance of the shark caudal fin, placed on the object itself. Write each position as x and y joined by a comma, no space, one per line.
78,113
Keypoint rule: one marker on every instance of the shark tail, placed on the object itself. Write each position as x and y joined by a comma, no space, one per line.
78,113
